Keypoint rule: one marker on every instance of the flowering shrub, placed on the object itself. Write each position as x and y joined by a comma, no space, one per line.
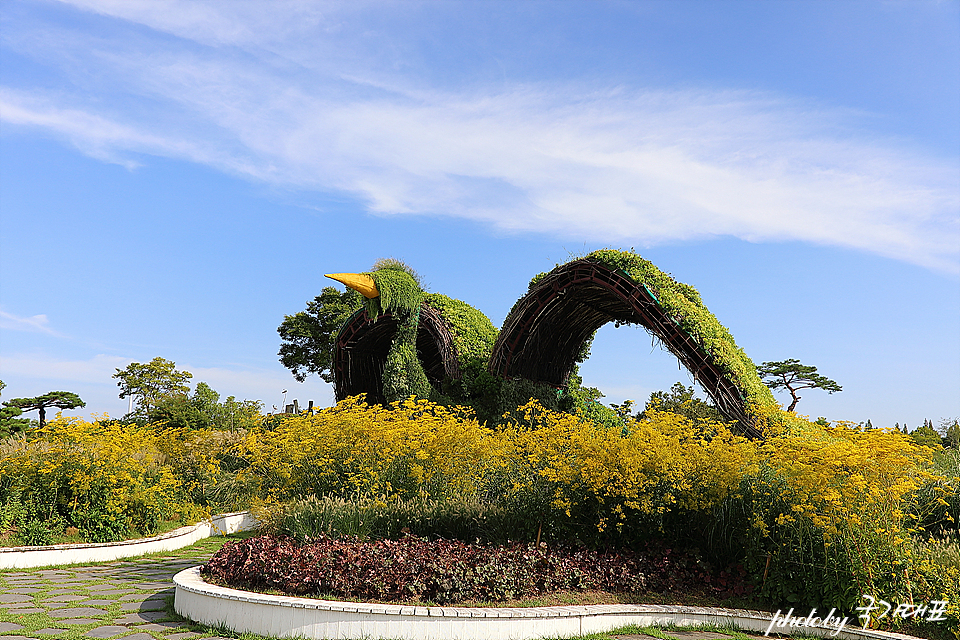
605,484
105,479
414,447
836,507
818,514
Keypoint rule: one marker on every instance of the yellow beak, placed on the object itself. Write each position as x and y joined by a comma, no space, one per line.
357,282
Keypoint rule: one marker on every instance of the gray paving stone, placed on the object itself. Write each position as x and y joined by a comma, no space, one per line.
24,590
65,598
139,636
160,626
103,587
139,597
146,605
49,631
61,579
59,592
73,612
141,616
185,635
149,586
145,598
106,631
98,603
78,621
24,611
111,592
10,626
15,597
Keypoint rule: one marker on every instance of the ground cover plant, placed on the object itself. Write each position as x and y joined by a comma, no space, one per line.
815,515
446,571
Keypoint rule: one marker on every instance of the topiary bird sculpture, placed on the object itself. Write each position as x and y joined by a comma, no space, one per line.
402,341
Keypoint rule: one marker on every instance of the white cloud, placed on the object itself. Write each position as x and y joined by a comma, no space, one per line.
37,324
620,166
99,368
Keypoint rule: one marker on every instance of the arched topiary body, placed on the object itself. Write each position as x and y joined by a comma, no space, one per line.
547,329
451,335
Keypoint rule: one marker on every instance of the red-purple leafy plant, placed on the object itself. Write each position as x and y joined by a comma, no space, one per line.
443,571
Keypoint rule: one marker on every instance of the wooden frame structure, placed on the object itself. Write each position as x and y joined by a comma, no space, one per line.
361,351
545,331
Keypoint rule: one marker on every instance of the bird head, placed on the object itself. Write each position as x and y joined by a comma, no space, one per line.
390,287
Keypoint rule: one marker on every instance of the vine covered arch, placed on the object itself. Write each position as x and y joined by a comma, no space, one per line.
545,332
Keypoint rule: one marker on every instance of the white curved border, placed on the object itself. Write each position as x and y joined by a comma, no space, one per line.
24,557
288,617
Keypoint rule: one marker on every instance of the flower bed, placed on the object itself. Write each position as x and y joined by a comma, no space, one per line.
443,572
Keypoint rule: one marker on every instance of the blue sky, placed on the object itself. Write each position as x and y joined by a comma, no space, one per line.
175,177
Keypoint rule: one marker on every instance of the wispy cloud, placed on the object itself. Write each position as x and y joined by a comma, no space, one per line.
620,165
35,324
96,369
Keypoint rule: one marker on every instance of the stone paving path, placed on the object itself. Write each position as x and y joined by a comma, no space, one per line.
130,599
133,600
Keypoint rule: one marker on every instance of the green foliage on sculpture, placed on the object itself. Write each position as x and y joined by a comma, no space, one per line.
393,287
683,304
401,296
399,288
473,333
403,374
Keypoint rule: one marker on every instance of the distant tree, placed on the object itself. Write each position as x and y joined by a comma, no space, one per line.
55,399
793,376
203,409
868,425
951,432
681,399
9,422
151,382
308,337
926,436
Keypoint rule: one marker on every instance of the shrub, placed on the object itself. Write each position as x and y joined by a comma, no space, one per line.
834,508
410,448
104,479
605,485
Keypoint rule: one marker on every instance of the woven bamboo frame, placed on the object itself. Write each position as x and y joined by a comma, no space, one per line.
362,346
546,330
